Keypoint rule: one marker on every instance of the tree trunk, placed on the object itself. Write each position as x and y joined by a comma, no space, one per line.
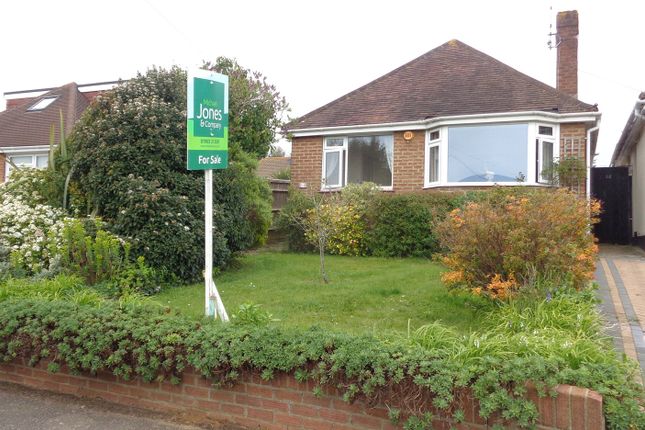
323,273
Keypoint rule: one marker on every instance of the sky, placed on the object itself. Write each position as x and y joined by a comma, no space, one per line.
316,51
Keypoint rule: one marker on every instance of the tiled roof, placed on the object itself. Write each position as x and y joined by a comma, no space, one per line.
269,166
452,79
21,127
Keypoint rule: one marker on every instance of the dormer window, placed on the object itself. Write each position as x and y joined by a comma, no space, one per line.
42,103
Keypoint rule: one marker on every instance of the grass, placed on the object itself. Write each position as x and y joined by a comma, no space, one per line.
365,294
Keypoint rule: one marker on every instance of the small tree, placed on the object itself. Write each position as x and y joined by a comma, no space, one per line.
318,224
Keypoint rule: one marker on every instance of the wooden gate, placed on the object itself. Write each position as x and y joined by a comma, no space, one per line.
613,187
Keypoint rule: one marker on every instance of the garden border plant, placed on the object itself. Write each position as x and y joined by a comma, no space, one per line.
147,342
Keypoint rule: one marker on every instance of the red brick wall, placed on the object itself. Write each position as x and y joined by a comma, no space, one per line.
285,403
306,162
12,103
408,162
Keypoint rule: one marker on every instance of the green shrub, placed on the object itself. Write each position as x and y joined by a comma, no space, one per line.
298,203
137,277
129,160
367,221
251,314
98,256
402,225
144,341
92,253
501,244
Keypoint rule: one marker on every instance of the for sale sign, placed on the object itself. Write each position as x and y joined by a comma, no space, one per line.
207,126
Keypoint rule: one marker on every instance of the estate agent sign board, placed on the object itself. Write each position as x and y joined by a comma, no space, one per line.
207,120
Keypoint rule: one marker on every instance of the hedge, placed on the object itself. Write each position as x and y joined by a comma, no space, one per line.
146,342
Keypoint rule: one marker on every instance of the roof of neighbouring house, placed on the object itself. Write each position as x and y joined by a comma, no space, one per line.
269,166
452,79
25,125
634,127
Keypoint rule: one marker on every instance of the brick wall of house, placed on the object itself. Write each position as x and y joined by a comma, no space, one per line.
409,156
284,403
306,162
408,162
3,163
573,143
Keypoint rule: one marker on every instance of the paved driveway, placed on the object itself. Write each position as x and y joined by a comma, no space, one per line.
26,409
620,274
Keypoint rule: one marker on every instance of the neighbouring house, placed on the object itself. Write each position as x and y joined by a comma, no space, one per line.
25,124
630,154
454,117
268,167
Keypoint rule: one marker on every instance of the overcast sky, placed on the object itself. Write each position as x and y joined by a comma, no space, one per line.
315,51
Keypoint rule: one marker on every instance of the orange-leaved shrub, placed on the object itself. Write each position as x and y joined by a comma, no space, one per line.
507,240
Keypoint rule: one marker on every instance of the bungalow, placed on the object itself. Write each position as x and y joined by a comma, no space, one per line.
26,123
454,117
629,154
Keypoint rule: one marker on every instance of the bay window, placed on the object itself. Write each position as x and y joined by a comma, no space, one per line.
358,159
487,153
490,153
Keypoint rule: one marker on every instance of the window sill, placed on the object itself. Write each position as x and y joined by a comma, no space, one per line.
487,184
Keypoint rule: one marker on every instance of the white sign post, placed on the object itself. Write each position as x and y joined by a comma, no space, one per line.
213,305
207,149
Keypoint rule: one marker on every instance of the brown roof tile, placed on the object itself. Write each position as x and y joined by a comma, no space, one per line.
452,79
269,166
21,127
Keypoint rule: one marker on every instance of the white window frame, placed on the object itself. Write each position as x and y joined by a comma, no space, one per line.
433,143
532,162
344,158
540,139
34,163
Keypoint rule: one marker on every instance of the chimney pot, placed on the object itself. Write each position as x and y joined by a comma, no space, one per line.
567,38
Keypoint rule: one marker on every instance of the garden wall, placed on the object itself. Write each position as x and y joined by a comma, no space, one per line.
284,403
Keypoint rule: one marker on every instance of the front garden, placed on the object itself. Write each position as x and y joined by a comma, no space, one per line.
405,301
365,294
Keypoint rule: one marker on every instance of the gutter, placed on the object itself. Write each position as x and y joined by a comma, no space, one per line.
588,158
425,123
624,142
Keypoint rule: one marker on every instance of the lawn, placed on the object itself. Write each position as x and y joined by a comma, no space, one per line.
365,294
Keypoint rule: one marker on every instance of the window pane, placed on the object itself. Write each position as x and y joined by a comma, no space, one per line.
434,135
433,161
332,166
492,153
370,160
547,161
334,142
43,103
547,131
22,160
42,161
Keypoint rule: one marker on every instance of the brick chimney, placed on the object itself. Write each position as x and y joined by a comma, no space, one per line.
567,39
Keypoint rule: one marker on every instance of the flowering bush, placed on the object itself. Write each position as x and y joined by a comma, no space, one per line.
129,156
508,240
29,232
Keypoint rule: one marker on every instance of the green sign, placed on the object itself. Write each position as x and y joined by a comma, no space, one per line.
207,127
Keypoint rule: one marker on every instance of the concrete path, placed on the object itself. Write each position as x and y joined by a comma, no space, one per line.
620,274
26,409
